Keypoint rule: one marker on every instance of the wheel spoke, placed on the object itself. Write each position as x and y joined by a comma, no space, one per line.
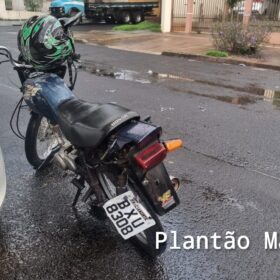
46,139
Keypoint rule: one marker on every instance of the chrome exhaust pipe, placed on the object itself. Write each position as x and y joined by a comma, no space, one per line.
175,182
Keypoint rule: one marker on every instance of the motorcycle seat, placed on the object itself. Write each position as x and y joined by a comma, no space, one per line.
86,124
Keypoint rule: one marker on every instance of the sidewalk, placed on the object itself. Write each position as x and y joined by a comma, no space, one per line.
146,41
177,44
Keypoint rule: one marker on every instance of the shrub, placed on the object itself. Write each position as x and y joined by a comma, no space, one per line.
33,5
233,37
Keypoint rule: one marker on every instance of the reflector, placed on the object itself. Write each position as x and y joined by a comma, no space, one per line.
172,145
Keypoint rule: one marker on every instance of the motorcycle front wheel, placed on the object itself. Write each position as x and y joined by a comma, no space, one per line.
146,240
39,140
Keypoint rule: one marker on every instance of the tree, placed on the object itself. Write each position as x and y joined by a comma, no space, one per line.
33,5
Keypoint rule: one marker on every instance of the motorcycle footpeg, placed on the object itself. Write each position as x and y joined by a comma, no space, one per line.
49,158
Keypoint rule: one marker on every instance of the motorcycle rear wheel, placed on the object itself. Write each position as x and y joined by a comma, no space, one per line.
145,241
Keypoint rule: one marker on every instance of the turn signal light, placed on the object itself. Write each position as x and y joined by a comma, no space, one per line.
151,156
172,145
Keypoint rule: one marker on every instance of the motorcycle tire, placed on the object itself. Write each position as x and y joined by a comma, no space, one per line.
33,155
145,241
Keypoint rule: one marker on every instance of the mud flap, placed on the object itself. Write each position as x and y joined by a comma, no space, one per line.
159,190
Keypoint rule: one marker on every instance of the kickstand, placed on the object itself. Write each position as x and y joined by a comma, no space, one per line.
79,184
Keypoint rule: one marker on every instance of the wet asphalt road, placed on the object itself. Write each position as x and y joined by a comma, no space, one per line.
230,168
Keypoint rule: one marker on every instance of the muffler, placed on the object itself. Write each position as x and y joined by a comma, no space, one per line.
66,162
175,182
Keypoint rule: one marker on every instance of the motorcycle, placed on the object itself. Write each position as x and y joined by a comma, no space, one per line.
2,179
116,156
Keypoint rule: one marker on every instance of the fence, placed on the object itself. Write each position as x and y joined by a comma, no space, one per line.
266,12
204,14
179,14
207,12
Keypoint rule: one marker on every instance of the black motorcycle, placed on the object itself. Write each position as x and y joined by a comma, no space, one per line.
116,156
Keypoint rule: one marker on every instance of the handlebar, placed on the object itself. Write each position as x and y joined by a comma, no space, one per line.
5,52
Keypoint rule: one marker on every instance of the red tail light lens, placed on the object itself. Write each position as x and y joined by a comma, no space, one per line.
151,156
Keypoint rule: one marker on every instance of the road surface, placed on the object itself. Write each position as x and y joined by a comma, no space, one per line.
228,117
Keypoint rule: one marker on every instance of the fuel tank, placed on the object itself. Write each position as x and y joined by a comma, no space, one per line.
44,92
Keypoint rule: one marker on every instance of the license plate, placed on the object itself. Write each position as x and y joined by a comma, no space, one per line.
128,215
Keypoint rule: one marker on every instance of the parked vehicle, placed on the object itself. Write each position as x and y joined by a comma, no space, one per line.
121,11
64,8
2,179
116,157
258,7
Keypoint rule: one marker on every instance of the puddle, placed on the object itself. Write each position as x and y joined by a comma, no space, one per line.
254,93
240,100
237,100
272,96
267,95
167,76
211,194
128,75
120,74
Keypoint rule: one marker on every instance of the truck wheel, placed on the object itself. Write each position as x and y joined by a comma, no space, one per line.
110,19
137,17
125,17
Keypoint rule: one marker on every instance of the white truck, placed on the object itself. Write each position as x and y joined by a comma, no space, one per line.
121,11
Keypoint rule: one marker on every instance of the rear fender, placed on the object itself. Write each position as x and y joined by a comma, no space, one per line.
158,189
138,133
155,183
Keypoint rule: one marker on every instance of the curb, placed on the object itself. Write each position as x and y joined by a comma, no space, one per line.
222,60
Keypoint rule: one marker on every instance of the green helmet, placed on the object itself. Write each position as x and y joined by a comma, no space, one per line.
43,42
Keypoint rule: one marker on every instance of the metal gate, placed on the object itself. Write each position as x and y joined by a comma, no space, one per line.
179,14
266,12
207,12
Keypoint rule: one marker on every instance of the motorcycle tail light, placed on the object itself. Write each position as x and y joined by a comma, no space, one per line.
151,156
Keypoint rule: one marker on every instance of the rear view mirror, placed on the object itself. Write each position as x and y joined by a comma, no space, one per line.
68,22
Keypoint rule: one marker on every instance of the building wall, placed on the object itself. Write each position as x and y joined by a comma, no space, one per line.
17,13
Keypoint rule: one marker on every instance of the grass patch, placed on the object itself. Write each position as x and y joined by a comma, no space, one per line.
145,25
215,53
